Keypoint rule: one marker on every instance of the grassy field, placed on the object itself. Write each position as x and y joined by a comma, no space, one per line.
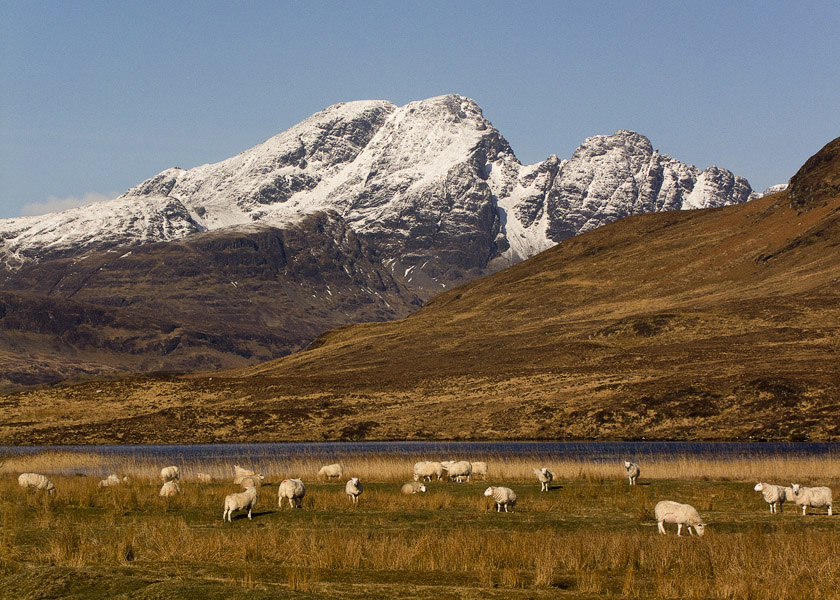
592,535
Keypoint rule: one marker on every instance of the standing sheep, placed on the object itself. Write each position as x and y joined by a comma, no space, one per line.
545,477
458,470
667,511
170,473
240,501
815,497
250,481
333,470
773,495
426,469
205,478
480,468
502,496
632,471
170,488
412,487
294,490
353,488
36,481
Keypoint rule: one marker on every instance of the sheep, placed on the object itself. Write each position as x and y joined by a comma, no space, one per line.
170,473
250,481
294,490
815,497
545,478
668,511
412,487
480,468
242,472
427,469
240,501
333,470
112,479
205,478
170,488
458,470
632,471
773,495
502,496
36,481
353,488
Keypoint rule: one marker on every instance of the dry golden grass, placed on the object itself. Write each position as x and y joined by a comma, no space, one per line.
590,535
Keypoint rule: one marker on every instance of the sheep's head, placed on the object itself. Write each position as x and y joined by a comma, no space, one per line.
700,528
795,487
422,488
488,491
626,464
759,487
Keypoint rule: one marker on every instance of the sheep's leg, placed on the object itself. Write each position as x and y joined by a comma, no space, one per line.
829,510
249,514
661,528
804,508
679,529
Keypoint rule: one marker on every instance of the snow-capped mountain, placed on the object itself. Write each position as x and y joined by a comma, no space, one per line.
432,184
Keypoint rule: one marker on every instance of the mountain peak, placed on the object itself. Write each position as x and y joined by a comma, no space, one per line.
818,180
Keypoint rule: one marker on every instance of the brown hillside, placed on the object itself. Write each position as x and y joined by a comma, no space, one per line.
708,324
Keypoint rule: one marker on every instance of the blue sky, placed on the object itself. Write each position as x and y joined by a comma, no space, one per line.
97,96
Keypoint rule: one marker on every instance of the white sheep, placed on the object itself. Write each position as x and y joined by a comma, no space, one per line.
242,472
170,488
815,497
205,478
668,511
240,501
36,481
502,496
241,476
545,477
353,488
170,473
774,495
458,470
632,471
109,481
333,470
427,469
250,481
480,468
412,487
294,490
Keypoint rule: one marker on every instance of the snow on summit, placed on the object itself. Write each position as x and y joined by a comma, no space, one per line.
432,183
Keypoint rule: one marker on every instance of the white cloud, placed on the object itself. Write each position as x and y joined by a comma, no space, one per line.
55,204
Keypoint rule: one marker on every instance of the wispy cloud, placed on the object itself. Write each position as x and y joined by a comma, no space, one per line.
55,204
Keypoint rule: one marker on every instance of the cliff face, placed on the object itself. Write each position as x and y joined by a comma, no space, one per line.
360,212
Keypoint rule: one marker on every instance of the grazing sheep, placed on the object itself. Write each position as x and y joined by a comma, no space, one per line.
427,469
170,488
333,470
205,478
36,481
353,488
251,481
815,497
412,487
480,468
112,479
545,478
170,473
681,514
294,490
240,501
458,470
773,495
502,496
632,471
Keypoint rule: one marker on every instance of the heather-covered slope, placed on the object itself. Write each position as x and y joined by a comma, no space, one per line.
720,323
